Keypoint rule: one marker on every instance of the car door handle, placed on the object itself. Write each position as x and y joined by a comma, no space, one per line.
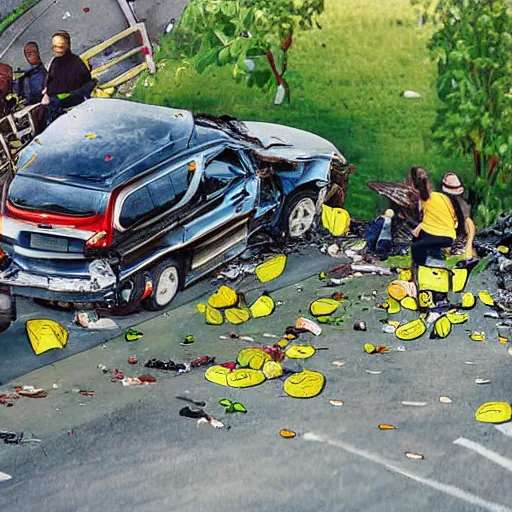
240,196
238,209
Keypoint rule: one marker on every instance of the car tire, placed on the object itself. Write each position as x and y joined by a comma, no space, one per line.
137,283
6,311
167,279
299,213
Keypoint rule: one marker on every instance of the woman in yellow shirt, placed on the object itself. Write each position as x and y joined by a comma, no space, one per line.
437,229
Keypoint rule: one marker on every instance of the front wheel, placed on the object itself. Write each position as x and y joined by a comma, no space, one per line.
299,214
166,283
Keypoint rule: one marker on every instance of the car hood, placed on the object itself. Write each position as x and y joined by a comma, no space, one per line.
289,143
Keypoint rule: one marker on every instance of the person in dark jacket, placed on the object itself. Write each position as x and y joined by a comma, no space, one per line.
32,81
69,80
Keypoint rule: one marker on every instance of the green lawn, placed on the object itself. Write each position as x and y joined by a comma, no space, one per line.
346,82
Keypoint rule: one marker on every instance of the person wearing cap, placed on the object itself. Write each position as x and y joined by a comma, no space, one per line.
69,80
437,230
452,187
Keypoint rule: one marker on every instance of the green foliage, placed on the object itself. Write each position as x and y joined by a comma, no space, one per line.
494,198
13,16
472,45
251,36
347,88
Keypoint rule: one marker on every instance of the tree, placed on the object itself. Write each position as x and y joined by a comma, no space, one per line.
252,36
472,45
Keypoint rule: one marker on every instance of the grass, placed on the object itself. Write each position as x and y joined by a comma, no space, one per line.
13,16
346,83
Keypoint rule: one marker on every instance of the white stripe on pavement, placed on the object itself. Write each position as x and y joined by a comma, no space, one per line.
506,428
485,452
4,477
447,489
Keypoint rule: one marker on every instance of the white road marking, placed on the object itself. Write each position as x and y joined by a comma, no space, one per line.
447,489
506,428
485,452
4,477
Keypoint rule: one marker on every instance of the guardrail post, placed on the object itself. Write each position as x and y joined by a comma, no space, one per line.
132,21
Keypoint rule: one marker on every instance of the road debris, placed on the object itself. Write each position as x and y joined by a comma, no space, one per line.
30,391
189,339
445,400
91,320
87,392
338,364
413,404
336,403
373,372
309,325
202,416
132,334
232,407
494,412
4,477
414,456
132,360
477,335
199,403
482,381
170,365
44,334
360,326
287,434
384,426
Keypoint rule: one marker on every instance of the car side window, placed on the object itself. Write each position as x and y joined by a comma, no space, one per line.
154,198
221,170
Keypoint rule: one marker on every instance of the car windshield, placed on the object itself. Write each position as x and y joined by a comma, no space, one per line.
53,197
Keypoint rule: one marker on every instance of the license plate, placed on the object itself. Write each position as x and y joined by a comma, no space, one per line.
48,243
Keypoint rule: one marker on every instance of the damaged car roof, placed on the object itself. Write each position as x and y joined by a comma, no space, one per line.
102,138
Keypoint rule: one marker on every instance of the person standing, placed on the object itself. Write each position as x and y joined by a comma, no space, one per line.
31,83
453,188
69,80
436,231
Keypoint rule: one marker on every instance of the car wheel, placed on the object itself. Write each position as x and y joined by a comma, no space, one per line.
166,283
6,312
299,214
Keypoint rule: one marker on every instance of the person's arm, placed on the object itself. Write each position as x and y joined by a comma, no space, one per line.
470,232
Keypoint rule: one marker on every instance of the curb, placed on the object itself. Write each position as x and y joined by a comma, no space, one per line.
19,26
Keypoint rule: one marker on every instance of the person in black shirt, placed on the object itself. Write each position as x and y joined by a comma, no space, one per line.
69,80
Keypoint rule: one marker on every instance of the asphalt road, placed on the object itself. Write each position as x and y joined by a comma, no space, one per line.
128,448
18,357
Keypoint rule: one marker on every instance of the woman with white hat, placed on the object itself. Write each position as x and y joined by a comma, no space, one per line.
452,187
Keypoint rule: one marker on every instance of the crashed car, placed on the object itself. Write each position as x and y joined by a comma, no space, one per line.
118,203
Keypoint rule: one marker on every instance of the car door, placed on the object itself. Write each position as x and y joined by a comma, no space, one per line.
219,226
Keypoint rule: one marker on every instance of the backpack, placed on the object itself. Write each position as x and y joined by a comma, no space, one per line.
372,233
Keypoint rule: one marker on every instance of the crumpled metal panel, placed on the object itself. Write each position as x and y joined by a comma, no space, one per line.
402,194
102,277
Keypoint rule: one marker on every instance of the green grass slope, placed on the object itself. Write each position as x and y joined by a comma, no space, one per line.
346,82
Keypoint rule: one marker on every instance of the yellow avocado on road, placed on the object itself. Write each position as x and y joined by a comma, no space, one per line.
252,358
237,315
324,306
305,384
241,378
494,412
300,351
225,297
271,269
45,334
411,330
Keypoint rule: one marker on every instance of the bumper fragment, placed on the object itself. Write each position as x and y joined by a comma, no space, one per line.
101,278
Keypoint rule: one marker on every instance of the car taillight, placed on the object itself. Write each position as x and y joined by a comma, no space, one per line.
99,239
